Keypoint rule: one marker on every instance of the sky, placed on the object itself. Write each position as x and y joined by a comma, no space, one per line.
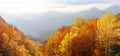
39,6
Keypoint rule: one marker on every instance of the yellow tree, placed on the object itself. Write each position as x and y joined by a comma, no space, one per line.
105,33
79,21
84,43
65,46
51,47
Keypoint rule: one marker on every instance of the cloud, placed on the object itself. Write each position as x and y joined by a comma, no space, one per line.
80,2
25,6
83,0
39,6
80,5
78,8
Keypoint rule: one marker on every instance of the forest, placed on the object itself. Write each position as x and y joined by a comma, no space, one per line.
85,37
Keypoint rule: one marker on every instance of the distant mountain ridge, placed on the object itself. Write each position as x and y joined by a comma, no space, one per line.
36,24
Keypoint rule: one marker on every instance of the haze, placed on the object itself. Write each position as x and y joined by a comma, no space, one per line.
40,18
39,6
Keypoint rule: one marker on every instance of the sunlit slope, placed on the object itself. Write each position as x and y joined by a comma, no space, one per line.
93,37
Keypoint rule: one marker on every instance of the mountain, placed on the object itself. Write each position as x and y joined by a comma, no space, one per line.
113,9
93,12
38,25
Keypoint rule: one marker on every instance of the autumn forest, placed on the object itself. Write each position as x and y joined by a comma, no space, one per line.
85,37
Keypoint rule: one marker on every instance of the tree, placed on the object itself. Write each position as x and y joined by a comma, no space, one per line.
105,33
51,47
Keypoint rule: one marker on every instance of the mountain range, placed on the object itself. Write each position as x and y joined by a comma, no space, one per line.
40,26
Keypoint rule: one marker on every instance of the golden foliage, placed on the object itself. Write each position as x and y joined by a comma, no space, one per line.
14,43
94,37
51,48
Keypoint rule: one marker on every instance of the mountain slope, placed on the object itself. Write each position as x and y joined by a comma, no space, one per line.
15,43
93,37
113,9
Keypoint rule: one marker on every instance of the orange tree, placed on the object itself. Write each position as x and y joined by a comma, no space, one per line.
51,47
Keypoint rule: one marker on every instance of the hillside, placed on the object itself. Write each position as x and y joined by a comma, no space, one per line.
93,37
14,43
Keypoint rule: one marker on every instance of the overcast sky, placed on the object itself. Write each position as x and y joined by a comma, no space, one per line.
39,6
